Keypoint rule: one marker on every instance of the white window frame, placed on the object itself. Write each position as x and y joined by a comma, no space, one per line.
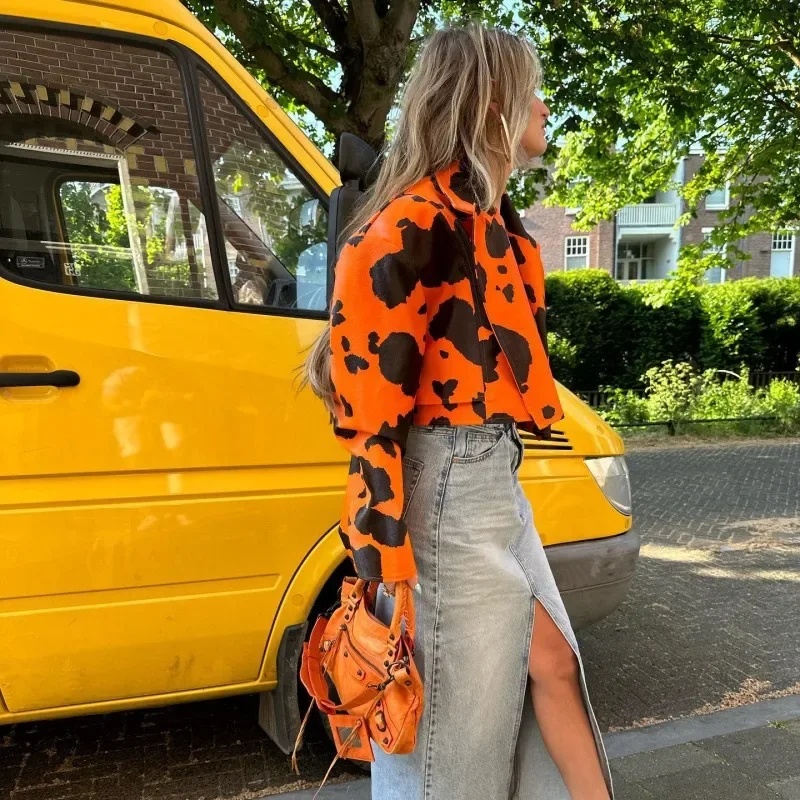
725,202
722,249
783,237
780,237
581,242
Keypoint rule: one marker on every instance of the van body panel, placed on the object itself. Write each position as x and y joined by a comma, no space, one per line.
166,520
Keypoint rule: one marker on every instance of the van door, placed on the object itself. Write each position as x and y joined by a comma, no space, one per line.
153,502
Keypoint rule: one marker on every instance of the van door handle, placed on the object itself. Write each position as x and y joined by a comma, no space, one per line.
60,378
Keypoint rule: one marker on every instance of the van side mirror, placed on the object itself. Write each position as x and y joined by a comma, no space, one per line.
358,167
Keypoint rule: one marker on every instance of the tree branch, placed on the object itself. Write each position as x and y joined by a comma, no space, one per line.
304,86
402,16
333,19
365,19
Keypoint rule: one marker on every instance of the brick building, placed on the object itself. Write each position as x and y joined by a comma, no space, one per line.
641,243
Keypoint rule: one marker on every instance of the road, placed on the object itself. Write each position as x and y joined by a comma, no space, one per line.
710,622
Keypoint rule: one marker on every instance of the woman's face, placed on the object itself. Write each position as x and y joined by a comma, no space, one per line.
534,140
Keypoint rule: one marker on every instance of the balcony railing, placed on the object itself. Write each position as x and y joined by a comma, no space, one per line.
650,215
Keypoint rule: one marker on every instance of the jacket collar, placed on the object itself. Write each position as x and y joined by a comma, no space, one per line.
453,181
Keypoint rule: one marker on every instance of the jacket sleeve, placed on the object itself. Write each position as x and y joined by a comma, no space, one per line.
378,329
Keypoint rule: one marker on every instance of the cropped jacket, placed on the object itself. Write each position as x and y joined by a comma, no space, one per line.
437,318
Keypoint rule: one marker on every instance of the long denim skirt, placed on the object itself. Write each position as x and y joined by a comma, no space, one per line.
481,564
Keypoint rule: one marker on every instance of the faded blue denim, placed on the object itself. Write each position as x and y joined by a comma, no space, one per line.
480,563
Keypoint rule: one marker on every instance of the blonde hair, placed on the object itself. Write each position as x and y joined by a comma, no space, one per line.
446,115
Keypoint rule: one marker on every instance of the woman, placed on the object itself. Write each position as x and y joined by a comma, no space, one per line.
435,357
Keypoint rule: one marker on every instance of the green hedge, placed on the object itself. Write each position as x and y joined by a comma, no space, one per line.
604,334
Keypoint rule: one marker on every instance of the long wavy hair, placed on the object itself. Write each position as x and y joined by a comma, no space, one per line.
463,79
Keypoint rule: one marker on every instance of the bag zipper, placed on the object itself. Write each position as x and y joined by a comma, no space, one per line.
378,669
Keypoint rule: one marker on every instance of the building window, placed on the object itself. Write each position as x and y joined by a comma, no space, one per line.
718,199
781,263
715,274
635,261
576,252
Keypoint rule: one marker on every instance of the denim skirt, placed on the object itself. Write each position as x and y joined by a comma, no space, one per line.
481,564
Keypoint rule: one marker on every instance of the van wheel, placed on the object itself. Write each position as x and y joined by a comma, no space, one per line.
326,599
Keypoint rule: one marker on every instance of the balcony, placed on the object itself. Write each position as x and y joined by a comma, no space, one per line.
648,215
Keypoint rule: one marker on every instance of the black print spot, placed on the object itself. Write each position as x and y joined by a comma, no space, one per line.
461,185
347,433
508,291
337,318
429,252
417,199
502,269
399,431
444,391
531,295
539,316
481,279
384,529
423,309
439,421
345,538
455,321
518,353
355,363
444,354
387,445
393,279
367,562
548,412
376,480
496,239
345,344
479,405
348,409
518,255
491,353
400,361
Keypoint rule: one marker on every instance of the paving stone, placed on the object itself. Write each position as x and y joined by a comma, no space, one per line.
788,789
663,762
711,782
763,753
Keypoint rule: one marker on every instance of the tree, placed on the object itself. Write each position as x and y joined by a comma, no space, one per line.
343,62
639,82
632,85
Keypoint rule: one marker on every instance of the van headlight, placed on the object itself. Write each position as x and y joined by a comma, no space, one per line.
611,474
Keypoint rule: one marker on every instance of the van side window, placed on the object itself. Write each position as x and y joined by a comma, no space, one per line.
275,229
98,185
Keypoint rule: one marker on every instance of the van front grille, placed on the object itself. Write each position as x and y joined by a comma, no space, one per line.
558,441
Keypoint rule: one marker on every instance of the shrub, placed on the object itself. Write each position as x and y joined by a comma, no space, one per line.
782,399
607,334
678,392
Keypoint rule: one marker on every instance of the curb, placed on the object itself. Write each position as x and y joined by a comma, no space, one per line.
626,743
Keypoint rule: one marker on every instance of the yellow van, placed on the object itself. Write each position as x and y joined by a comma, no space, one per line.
168,500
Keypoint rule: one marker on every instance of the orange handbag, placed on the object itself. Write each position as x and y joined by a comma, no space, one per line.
369,668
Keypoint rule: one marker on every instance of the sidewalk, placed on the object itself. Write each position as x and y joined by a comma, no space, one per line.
747,753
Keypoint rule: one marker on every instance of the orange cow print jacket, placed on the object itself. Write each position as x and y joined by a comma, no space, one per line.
413,292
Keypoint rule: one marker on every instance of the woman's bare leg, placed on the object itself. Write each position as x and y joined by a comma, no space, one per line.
562,717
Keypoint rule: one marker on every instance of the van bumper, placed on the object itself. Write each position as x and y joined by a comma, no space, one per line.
594,576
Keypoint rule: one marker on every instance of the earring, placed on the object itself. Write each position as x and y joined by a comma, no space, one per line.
506,138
